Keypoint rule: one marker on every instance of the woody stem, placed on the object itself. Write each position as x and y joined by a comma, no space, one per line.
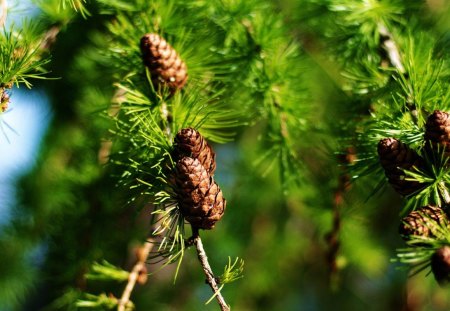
132,278
210,279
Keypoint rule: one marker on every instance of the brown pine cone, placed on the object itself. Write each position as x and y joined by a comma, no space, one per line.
166,67
199,197
422,222
440,265
395,156
190,143
437,131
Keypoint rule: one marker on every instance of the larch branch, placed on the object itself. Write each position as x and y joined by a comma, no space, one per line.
49,38
391,48
134,274
333,237
210,279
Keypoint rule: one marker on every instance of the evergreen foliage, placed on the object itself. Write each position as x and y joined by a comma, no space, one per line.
294,97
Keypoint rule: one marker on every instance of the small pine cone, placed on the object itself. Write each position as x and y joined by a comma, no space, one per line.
190,143
437,131
422,222
199,197
395,156
440,265
166,67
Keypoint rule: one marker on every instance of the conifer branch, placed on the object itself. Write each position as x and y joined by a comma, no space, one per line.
391,48
4,8
210,278
394,58
134,274
49,38
167,119
104,151
332,237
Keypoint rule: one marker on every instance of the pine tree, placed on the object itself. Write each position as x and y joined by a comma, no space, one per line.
294,135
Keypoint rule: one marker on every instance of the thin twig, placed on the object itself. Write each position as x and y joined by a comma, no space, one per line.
333,237
391,48
134,274
167,118
49,38
210,279
105,146
4,6
393,56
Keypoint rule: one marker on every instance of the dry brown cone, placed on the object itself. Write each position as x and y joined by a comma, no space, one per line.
166,67
437,131
190,143
199,197
440,265
423,222
395,157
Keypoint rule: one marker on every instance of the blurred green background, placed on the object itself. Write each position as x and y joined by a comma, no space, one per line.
61,209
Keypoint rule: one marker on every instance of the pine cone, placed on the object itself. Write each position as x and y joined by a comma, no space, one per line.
440,265
199,197
395,156
166,67
422,222
190,143
437,131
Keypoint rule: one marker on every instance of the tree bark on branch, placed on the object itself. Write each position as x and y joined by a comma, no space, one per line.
134,274
210,278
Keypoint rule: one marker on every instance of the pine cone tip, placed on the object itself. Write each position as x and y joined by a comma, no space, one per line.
189,142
